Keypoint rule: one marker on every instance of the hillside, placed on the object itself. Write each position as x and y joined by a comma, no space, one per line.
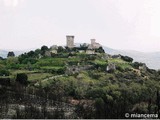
151,59
73,83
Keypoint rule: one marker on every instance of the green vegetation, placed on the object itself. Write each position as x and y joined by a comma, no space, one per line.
11,54
34,77
80,80
22,78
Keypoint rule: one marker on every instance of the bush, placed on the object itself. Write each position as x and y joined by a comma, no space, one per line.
100,64
100,108
11,54
127,59
54,70
100,50
120,68
97,92
136,65
29,60
4,72
22,78
94,74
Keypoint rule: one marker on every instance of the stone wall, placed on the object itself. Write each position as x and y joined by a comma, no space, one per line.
76,69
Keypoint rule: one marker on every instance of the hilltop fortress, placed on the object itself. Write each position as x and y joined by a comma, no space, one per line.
70,43
92,48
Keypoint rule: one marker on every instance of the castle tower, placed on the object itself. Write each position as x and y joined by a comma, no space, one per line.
70,41
93,41
94,44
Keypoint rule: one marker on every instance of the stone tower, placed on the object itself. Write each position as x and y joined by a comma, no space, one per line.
94,45
70,41
93,41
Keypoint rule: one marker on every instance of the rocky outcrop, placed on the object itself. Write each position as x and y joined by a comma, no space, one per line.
143,67
110,67
76,69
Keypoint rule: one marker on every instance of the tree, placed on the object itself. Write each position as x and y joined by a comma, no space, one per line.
22,78
4,72
29,66
31,54
37,52
60,49
12,63
158,102
11,54
127,59
100,108
137,64
44,49
83,46
100,50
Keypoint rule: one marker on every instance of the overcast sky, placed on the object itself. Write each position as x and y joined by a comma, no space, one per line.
118,24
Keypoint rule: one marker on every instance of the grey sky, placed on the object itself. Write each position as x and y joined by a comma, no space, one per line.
119,24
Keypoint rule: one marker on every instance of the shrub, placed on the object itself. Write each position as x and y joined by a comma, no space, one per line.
4,72
22,78
100,50
120,68
29,60
127,59
137,64
11,54
97,92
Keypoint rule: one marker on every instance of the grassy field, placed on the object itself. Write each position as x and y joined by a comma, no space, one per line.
38,76
32,75
119,62
14,72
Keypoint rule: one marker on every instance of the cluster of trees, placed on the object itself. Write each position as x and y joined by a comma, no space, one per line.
32,57
11,54
111,97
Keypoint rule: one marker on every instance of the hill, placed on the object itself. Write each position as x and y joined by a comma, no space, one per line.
152,59
73,83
